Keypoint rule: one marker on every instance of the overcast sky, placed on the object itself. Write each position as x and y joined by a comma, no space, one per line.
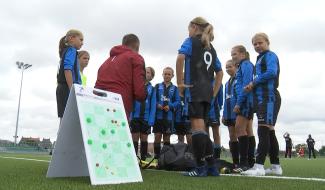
30,32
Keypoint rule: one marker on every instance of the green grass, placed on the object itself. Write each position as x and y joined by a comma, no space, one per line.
30,175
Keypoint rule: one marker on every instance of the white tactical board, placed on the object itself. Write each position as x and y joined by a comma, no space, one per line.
94,139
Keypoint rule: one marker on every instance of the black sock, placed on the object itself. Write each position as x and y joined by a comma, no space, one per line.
136,147
234,152
274,148
216,151
243,150
209,151
263,144
156,149
251,151
199,147
144,149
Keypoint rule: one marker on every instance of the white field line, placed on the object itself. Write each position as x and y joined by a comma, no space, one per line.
236,175
279,177
269,177
24,159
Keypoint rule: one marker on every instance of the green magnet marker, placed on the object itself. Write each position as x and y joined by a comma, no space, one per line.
128,144
90,142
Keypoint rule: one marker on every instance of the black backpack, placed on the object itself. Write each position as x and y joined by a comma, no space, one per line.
176,157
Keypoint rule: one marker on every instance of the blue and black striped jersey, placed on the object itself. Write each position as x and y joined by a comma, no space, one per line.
146,110
266,79
167,96
230,100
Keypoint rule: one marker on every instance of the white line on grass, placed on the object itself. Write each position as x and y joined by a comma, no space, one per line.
279,177
24,159
269,177
236,175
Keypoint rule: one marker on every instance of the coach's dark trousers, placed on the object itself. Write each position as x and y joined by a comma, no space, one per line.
288,152
311,150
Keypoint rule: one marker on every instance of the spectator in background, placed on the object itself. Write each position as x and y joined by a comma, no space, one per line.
288,140
311,143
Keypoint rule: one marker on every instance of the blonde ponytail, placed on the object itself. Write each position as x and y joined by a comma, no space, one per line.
206,30
207,36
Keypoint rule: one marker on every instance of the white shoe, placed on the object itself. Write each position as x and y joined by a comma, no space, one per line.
256,170
274,170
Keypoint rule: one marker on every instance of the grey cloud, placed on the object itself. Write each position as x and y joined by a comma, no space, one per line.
301,36
30,32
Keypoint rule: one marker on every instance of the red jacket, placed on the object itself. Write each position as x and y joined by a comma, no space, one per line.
123,73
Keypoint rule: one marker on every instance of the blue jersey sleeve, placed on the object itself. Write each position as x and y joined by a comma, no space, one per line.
271,69
247,77
217,65
220,97
177,101
69,58
225,98
153,107
186,48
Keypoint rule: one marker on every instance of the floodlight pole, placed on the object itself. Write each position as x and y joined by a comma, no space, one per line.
23,67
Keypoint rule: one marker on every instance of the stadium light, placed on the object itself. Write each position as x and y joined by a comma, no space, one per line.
22,66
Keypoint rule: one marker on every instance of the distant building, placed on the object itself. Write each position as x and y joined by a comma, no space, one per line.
29,141
45,143
6,143
36,142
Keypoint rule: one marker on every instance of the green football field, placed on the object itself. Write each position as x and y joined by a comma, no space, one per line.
29,174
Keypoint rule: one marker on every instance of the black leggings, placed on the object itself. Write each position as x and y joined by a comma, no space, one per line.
288,152
310,150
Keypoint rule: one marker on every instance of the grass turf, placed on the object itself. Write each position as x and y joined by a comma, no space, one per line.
30,175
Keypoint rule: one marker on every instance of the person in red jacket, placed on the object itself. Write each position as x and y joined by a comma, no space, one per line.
124,72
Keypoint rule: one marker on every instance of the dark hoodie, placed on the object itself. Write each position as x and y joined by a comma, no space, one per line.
123,73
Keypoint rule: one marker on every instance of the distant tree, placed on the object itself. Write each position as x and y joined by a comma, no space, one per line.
322,150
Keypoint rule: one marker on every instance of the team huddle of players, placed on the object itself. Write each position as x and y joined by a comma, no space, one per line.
194,104
166,110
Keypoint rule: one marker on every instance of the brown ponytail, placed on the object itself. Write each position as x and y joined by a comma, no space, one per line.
62,45
64,41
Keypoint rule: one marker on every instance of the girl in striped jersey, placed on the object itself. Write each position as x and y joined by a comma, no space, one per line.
265,84
143,116
229,117
168,100
201,67
244,108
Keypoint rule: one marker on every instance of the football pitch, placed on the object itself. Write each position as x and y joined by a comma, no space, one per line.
28,172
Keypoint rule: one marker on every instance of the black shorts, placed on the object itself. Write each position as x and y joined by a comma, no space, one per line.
213,122
162,126
62,95
183,128
267,112
140,126
199,110
230,122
